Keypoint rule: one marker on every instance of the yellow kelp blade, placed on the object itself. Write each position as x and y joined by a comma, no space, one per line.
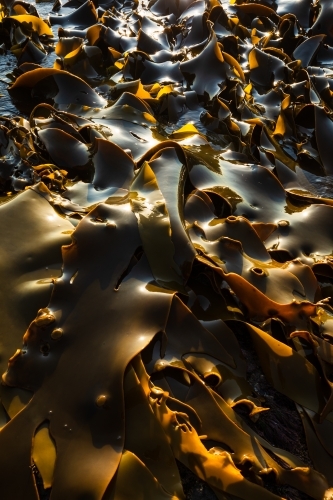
14,399
37,24
184,131
134,480
44,454
287,370
216,467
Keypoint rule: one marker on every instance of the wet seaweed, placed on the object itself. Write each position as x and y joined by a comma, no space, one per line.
166,244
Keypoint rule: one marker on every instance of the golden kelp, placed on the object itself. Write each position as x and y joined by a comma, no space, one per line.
166,198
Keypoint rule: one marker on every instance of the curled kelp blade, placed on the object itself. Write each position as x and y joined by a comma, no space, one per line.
30,268
149,206
82,17
129,126
113,173
54,85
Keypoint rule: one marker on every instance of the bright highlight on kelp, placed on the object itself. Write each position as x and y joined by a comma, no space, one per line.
166,195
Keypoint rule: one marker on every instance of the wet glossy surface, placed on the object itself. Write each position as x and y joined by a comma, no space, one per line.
165,182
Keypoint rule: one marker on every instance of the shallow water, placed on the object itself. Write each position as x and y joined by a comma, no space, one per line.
7,64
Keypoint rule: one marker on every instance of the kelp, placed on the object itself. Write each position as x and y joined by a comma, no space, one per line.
165,200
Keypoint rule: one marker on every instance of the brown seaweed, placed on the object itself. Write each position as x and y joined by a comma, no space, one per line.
166,196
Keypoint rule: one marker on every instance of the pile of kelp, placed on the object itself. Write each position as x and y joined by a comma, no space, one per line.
166,187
